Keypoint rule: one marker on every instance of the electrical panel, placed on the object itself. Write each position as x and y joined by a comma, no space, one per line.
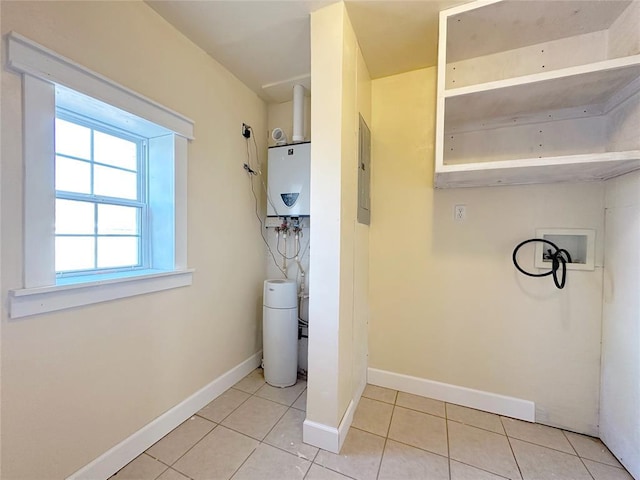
364,173
289,173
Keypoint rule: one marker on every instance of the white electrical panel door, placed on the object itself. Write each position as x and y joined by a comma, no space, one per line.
289,168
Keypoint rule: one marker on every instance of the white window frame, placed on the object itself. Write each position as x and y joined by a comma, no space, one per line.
43,72
141,202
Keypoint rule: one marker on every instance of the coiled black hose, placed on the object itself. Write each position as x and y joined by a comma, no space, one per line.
559,259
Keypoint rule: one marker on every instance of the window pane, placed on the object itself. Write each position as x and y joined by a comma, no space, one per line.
72,139
117,220
74,217
115,151
73,175
112,182
74,253
117,252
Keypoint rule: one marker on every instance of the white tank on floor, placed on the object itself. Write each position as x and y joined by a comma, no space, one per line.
280,332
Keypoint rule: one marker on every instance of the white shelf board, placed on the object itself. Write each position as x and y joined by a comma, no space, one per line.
472,31
565,88
570,168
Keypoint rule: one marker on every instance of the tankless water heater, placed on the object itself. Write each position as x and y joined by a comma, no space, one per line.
289,169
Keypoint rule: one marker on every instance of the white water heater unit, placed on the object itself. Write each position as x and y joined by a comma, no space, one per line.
288,185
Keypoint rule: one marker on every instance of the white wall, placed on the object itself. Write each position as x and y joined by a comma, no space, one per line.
620,383
339,265
447,303
77,382
620,389
324,303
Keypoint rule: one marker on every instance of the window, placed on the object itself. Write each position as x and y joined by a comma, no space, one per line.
101,202
105,187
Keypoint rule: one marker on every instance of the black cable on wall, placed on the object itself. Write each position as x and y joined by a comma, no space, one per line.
559,259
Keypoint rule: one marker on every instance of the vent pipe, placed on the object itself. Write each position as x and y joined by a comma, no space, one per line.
298,114
279,136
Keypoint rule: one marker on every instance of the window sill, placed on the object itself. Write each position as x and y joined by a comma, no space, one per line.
33,301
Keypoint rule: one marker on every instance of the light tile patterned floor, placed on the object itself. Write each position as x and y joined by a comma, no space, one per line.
254,432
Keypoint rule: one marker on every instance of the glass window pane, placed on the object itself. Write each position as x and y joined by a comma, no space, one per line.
74,217
73,175
73,139
112,182
117,220
74,253
117,252
115,151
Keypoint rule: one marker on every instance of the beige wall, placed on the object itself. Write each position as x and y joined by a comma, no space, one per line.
281,115
354,237
339,259
446,302
361,312
77,382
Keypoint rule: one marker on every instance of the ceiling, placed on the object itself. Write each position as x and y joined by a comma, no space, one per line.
266,43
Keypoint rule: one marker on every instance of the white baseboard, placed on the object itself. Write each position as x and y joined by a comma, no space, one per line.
467,397
321,436
113,460
331,438
347,418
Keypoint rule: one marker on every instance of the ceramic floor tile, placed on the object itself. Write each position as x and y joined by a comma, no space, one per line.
538,434
419,430
222,406
475,418
483,449
287,435
286,396
252,382
380,393
301,402
171,474
316,472
404,462
600,471
592,448
359,457
216,456
173,445
460,471
142,467
372,416
541,463
255,417
421,404
267,462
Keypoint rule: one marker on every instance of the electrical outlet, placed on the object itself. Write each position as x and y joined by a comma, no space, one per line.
460,213
246,130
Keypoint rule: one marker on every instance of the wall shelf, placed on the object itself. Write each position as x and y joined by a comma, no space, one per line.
568,168
537,103
595,84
